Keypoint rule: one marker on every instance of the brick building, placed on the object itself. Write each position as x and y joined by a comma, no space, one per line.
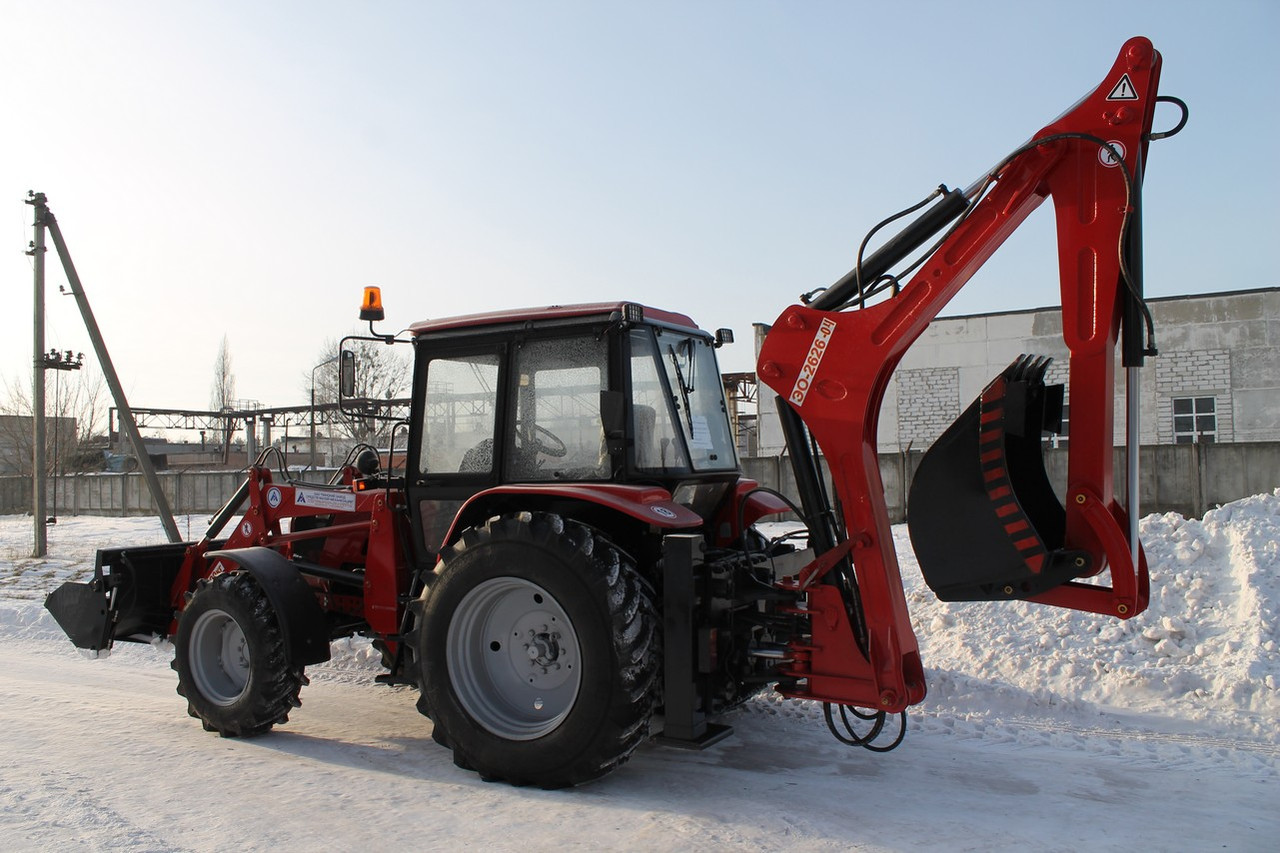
1217,378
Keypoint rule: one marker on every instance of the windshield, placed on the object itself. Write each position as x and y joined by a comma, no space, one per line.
680,419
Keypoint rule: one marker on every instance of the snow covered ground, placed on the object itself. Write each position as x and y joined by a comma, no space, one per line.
1043,730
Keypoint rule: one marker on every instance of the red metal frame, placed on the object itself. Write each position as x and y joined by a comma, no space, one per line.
364,534
834,367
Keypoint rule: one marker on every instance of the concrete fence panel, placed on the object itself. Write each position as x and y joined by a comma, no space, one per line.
1185,478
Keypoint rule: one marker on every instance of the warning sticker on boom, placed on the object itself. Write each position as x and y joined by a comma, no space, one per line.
340,501
1123,91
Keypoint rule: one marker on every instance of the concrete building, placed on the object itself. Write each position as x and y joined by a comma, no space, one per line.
17,435
1217,378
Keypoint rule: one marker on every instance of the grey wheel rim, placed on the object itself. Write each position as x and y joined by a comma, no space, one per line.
513,658
219,657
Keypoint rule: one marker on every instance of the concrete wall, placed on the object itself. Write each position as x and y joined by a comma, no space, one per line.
1188,479
1184,478
127,494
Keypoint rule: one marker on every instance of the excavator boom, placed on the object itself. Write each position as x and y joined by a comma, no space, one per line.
984,521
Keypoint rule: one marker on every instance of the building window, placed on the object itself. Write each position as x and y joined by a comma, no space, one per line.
1195,419
1059,439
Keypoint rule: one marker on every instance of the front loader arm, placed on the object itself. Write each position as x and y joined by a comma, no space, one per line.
830,368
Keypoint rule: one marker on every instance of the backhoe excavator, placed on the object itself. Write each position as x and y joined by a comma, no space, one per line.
565,550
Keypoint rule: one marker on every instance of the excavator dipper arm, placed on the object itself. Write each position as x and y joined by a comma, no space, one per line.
987,526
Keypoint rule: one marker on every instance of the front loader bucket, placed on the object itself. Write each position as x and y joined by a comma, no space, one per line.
984,520
128,598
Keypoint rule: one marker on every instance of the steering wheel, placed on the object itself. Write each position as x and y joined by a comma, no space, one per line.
548,443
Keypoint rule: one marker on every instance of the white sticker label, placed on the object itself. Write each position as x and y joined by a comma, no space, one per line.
701,437
340,501
1108,159
1123,91
809,370
273,497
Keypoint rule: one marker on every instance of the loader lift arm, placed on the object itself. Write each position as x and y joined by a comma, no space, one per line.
831,366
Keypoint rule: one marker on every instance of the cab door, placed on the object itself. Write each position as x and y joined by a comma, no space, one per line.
455,447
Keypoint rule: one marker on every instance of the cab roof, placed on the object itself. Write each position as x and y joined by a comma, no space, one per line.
553,313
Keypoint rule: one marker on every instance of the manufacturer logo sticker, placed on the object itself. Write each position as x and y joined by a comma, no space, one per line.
809,370
340,501
662,511
273,497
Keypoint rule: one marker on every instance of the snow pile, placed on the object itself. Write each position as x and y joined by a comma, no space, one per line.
1205,650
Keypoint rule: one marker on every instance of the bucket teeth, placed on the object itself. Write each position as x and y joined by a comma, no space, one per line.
1028,368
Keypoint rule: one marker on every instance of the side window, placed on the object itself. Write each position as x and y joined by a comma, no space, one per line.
558,432
460,414
656,445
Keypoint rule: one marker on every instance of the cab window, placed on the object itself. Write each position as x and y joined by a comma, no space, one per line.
557,433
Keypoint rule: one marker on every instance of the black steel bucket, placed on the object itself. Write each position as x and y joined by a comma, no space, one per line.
984,520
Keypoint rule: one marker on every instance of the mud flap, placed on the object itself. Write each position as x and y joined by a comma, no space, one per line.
302,621
984,520
128,598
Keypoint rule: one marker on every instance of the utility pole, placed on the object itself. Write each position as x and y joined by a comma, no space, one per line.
37,252
45,220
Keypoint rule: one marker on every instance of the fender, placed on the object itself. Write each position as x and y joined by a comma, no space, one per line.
302,621
758,504
650,504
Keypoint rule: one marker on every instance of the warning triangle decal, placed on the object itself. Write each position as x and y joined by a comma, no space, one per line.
1123,91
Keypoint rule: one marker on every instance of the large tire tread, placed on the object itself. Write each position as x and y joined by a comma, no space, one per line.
274,683
606,743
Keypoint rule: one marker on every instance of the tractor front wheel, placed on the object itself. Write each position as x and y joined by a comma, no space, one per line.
537,649
231,661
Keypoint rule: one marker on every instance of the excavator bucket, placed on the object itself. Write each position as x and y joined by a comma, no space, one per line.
984,520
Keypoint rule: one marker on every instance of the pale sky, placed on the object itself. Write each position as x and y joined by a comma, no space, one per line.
245,168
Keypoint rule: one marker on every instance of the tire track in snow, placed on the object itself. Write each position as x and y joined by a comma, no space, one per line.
1206,741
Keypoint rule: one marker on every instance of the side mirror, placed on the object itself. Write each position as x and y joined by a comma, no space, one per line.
347,374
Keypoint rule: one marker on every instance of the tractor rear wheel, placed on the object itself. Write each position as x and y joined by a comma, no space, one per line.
538,652
231,661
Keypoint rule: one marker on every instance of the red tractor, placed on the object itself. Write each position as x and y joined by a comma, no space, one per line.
569,550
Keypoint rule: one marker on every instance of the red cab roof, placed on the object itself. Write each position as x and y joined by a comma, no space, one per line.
548,312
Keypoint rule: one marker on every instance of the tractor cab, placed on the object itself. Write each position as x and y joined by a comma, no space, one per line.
559,405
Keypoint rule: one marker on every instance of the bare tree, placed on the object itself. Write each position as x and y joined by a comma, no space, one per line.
76,411
382,373
223,395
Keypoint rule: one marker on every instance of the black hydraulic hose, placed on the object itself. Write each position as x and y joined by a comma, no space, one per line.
825,530
818,516
1134,348
902,244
